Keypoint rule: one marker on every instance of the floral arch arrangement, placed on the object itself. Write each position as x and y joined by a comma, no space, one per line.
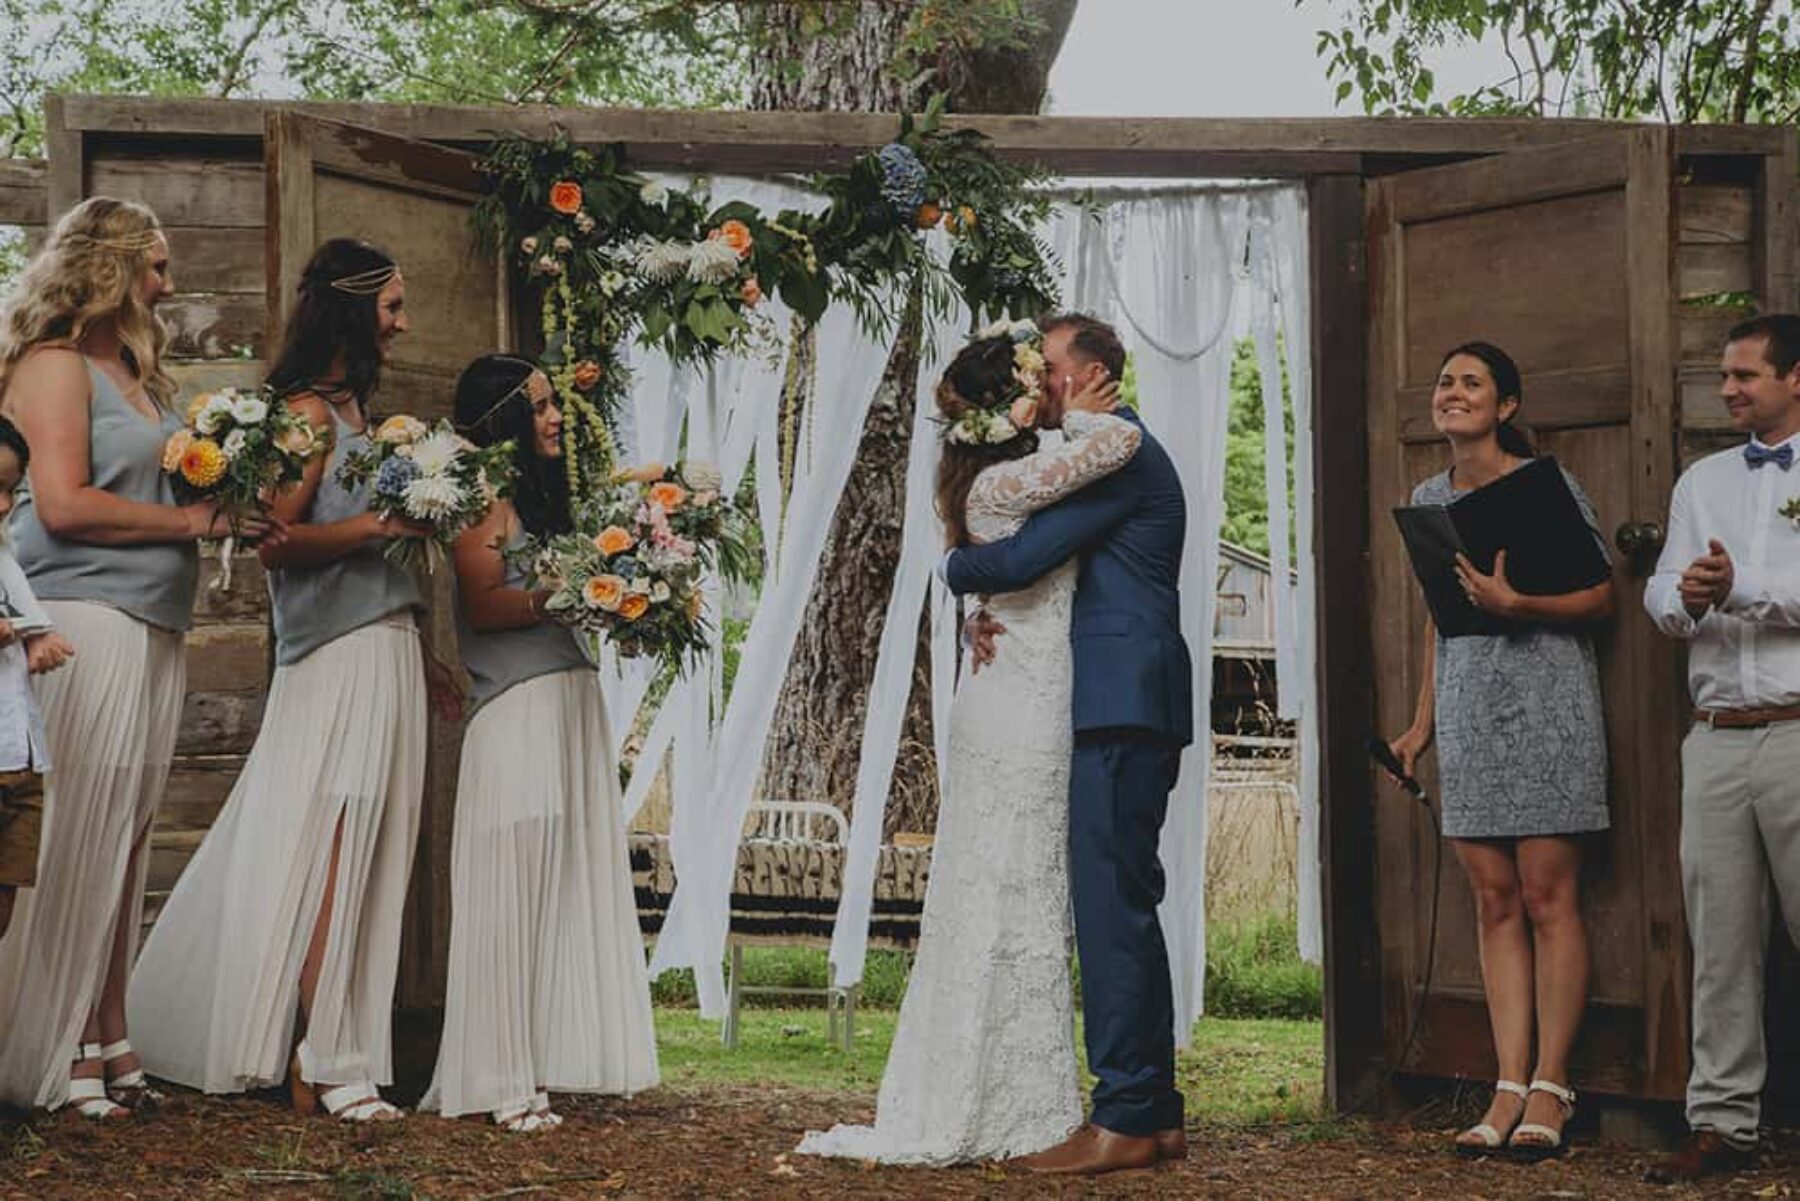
611,255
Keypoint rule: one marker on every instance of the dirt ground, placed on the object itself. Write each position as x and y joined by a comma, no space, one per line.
730,1142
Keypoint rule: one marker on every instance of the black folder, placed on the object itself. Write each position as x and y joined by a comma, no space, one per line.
1531,515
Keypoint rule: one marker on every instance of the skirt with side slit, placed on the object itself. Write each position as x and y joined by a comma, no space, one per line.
341,754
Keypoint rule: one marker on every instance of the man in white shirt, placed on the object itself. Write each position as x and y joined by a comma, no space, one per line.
1728,583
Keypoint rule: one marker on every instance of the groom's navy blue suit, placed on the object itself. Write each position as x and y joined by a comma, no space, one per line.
1133,709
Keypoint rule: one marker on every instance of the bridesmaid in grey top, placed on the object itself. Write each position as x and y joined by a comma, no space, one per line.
293,901
114,560
1522,771
548,988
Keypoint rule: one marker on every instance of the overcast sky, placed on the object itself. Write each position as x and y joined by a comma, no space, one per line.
1217,58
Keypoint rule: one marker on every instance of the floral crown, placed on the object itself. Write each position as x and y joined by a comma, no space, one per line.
1010,415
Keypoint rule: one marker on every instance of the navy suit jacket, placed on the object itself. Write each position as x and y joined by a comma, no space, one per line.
1132,668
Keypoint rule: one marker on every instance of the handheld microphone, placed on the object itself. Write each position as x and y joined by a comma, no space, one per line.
1384,755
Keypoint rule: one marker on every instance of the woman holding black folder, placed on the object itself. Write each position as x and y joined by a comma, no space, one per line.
1522,769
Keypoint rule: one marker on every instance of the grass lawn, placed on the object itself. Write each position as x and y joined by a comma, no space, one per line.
1236,1073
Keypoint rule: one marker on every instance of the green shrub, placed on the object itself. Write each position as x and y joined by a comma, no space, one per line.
884,977
1254,970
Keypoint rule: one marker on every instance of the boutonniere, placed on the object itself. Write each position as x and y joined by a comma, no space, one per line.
1791,511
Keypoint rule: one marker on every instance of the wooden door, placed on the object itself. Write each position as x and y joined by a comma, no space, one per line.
1564,256
413,200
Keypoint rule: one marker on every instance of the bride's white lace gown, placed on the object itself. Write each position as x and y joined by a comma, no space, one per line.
983,1062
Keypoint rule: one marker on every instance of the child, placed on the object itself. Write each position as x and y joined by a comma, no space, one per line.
28,645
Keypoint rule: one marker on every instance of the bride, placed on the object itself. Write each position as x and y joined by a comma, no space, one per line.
983,1062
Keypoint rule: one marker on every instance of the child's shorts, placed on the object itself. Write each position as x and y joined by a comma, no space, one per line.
21,820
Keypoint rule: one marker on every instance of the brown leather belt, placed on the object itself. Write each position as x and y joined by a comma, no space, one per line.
1745,719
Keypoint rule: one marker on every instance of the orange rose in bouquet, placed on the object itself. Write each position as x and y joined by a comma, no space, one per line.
565,197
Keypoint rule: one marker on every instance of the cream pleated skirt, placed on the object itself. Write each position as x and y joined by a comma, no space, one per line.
214,997
110,718
548,987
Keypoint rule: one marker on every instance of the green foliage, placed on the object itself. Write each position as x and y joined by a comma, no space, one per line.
1675,60
1253,970
884,977
1246,499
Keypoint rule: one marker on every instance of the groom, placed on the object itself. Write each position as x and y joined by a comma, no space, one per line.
1133,711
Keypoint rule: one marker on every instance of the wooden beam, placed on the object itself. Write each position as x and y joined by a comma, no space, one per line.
1346,677
1778,221
787,141
64,147
24,191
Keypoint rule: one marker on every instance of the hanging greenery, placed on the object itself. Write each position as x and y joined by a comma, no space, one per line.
610,254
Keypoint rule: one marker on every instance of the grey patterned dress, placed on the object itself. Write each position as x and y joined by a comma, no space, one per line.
1520,735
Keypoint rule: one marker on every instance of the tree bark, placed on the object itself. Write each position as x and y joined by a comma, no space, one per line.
816,742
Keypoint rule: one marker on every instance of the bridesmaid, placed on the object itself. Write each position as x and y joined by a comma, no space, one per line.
547,983
114,560
293,901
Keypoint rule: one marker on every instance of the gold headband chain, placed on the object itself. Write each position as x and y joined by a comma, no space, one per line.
137,243
495,407
367,283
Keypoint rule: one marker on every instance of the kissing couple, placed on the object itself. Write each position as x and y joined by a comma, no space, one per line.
1064,743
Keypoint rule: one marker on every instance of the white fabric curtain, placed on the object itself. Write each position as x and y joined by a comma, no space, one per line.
1177,272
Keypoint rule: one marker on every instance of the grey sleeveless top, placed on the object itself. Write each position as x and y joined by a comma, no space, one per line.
314,605
501,658
151,581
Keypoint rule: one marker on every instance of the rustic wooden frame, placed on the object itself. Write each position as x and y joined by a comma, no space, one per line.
1333,157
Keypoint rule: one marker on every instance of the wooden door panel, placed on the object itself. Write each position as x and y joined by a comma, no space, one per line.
1562,256
412,199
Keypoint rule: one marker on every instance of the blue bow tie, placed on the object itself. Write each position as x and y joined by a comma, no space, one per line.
1782,456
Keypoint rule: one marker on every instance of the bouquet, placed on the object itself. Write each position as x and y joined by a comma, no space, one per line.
633,572
237,447
429,474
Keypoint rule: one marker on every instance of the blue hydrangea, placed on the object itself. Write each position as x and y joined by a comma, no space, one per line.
395,474
903,177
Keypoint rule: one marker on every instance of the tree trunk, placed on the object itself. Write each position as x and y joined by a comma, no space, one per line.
816,742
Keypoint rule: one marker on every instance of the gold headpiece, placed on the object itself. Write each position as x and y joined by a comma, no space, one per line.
138,243
515,390
367,283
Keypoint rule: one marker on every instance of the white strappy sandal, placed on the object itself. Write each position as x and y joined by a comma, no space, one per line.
528,1118
132,1090
87,1094
1482,1138
357,1103
1533,1140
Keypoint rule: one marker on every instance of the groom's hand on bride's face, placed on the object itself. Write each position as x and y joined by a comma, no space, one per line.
979,632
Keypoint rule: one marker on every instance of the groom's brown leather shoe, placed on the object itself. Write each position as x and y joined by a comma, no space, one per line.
1171,1144
1093,1150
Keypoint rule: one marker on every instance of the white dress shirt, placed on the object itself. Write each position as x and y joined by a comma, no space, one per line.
1745,653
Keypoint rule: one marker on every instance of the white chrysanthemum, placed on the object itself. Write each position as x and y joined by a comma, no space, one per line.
249,410
712,262
213,417
432,498
664,261
702,476
435,452
653,192
233,446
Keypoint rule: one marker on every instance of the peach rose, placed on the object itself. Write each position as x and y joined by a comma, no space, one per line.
634,606
614,539
175,449
565,197
928,215
736,235
1024,412
587,374
753,292
667,496
603,592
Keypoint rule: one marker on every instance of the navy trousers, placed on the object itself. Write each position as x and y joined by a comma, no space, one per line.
1118,796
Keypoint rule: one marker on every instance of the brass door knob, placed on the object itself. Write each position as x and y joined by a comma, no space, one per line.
1640,542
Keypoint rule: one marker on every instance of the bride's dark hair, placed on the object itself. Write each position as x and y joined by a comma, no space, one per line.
979,377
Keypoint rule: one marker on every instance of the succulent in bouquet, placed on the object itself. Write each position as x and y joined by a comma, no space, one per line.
634,570
428,474
238,446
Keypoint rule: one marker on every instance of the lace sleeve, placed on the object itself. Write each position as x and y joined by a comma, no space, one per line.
1095,445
